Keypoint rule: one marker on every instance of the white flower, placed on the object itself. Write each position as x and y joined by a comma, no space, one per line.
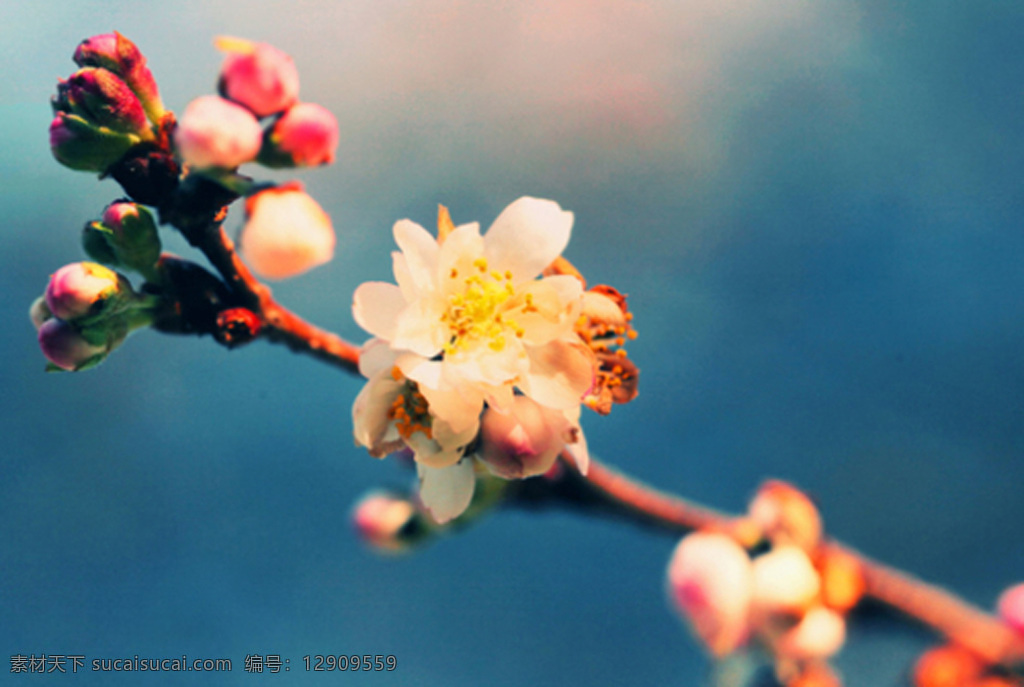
469,324
474,319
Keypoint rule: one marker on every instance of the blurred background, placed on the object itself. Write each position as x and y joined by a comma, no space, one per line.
814,206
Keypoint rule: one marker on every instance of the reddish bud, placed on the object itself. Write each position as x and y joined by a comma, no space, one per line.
1011,607
947,666
305,136
114,52
101,98
64,346
522,442
237,326
258,76
84,289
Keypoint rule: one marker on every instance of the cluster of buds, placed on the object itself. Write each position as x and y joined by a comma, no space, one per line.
257,81
790,599
106,108
110,119
286,231
86,312
952,665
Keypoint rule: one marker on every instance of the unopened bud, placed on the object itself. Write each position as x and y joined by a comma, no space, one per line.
258,76
114,52
100,98
786,515
216,133
842,579
286,232
387,522
127,235
785,582
38,312
86,291
523,441
1011,607
64,345
711,582
306,135
86,147
819,634
815,674
947,666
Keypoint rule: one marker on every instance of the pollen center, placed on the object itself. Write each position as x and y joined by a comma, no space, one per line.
409,411
475,314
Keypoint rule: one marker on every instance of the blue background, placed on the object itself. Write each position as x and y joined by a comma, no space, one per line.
815,207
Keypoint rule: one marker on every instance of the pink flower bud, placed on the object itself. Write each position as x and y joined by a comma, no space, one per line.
711,582
258,76
64,346
818,635
385,521
130,232
306,135
101,98
286,232
84,146
214,132
81,289
785,581
1011,607
522,442
786,515
116,53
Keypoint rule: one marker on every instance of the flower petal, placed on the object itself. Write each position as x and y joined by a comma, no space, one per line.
376,307
375,357
458,412
560,374
419,329
446,492
458,253
527,236
420,250
371,425
555,304
579,452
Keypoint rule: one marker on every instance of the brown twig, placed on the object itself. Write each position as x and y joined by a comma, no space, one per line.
280,325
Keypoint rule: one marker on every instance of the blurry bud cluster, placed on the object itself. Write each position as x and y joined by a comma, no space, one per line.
109,118
790,599
952,665
484,352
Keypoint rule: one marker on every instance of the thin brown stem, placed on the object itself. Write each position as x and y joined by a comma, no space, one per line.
280,324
